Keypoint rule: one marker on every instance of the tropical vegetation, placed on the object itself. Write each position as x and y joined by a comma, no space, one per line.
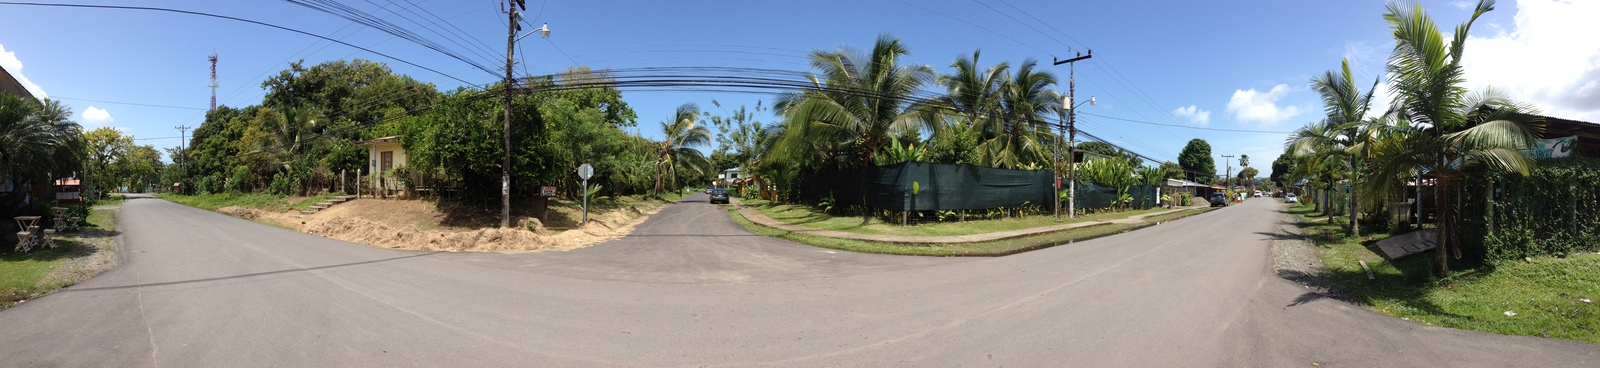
1435,131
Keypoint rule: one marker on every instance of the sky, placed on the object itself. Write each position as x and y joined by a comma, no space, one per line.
1234,73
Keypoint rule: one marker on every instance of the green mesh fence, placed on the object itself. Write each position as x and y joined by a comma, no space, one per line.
953,187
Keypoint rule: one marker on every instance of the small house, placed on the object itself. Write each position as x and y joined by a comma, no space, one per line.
728,177
383,156
68,190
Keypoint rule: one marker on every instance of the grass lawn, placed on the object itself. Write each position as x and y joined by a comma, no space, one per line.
266,202
810,217
21,274
1544,296
994,248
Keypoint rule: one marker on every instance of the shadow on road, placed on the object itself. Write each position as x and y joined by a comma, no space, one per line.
209,279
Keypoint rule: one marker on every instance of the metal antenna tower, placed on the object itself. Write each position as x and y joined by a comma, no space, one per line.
213,85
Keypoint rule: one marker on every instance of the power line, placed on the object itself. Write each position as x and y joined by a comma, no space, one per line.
351,14
974,25
130,103
1190,127
188,12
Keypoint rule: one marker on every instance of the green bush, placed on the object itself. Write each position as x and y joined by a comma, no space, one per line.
1550,212
281,184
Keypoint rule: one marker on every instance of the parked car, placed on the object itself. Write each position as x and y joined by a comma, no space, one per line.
1291,198
708,190
1219,199
719,195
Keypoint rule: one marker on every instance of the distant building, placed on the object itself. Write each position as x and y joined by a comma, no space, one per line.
728,177
10,85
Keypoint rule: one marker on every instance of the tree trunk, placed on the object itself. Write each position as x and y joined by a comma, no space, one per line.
1441,259
1327,197
1355,226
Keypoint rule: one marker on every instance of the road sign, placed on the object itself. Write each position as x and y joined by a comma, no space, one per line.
585,171
547,191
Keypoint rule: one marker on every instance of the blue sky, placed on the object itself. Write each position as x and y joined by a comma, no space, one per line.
1240,65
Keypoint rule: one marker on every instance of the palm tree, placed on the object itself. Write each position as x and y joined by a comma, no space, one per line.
1018,136
679,137
37,140
1321,163
854,104
971,101
1346,106
1449,130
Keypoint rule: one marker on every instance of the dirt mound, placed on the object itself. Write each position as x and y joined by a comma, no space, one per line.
242,212
410,237
419,225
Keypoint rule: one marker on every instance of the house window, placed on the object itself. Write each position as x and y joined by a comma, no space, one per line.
387,158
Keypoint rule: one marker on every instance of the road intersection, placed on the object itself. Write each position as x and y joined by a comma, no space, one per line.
692,288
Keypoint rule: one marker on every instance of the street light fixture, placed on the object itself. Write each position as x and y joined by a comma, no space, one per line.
1072,153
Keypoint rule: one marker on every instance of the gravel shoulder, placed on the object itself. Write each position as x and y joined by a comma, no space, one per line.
1295,258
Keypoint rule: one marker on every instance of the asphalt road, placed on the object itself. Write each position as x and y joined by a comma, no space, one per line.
691,288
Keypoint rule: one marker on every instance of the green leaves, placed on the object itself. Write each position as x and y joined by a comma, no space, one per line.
1197,161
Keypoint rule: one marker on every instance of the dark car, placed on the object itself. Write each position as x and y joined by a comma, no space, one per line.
1219,199
719,195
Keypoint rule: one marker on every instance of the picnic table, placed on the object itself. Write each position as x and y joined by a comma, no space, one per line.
28,226
63,222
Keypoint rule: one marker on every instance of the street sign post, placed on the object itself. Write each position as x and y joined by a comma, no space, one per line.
585,171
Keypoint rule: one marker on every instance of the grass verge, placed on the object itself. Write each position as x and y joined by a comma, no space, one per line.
980,249
811,217
23,276
1542,298
265,202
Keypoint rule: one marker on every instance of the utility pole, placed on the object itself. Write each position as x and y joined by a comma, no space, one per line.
1227,180
1072,130
183,136
505,165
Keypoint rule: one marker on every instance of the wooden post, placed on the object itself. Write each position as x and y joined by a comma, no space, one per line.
342,188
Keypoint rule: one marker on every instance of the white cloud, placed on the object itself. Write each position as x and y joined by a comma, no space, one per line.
9,61
1381,99
1196,115
1550,57
1362,56
1463,5
97,116
1262,107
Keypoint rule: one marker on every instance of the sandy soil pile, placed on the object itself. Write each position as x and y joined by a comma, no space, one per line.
402,224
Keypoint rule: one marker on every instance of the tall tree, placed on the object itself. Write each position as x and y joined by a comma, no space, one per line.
1281,167
854,105
1196,160
1019,136
1450,130
1346,107
966,111
105,145
680,136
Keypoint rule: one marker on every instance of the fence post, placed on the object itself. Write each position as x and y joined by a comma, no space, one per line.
908,209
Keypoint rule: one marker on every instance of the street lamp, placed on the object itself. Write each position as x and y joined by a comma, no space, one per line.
1072,153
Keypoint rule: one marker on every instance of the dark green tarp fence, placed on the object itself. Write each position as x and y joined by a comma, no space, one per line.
1092,196
953,187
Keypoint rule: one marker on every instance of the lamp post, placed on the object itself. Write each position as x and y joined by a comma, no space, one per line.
1072,153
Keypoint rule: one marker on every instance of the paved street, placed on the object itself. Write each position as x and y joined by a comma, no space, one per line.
692,288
